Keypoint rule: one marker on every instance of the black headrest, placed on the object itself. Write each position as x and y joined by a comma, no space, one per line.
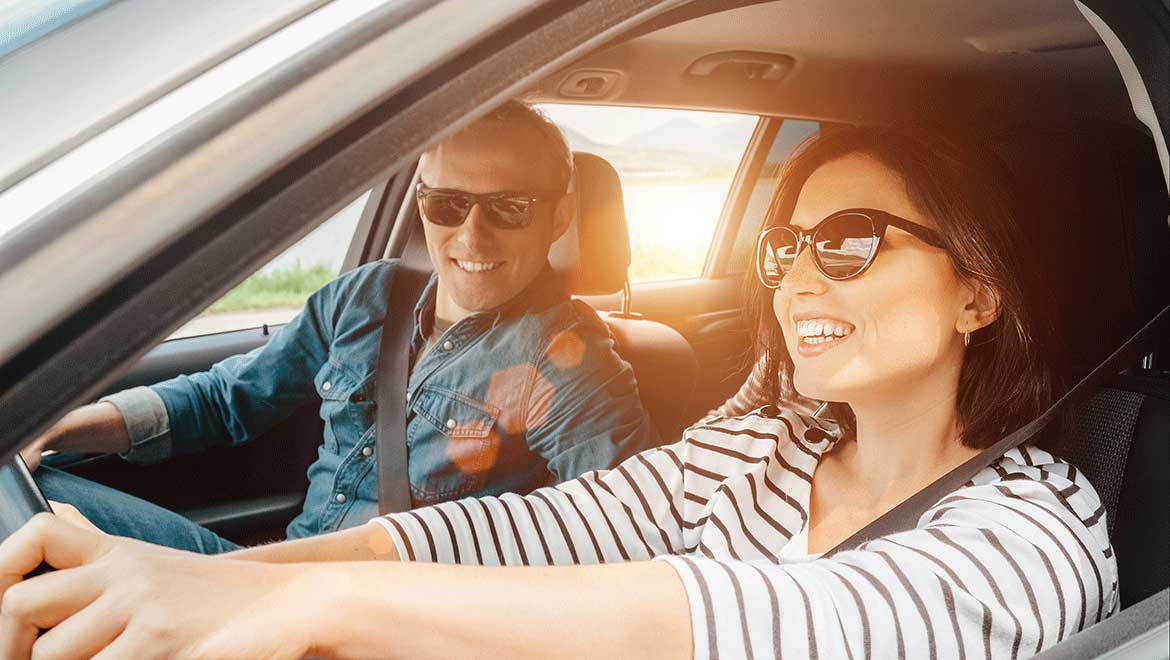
1095,207
593,256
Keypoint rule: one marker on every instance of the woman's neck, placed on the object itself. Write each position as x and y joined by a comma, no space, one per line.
907,441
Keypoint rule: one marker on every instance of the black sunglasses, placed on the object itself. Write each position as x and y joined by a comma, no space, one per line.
448,207
844,244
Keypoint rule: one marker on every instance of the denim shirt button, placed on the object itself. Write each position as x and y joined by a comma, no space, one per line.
326,386
367,451
340,498
447,345
451,424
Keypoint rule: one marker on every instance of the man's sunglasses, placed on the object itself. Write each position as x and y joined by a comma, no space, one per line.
844,244
448,207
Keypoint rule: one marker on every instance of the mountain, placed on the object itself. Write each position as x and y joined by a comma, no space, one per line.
579,142
678,135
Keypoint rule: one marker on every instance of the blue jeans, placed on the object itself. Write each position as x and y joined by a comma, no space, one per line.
117,513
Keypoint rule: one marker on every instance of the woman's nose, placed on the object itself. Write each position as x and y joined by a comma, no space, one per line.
804,276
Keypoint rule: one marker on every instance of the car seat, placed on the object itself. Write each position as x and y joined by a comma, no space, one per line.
1096,209
593,257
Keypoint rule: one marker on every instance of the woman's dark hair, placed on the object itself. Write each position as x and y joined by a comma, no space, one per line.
1007,377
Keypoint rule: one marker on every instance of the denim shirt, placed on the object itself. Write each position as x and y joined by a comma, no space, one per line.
504,401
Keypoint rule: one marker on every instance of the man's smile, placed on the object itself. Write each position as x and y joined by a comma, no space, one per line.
469,266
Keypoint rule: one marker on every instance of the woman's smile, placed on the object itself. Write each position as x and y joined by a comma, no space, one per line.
817,333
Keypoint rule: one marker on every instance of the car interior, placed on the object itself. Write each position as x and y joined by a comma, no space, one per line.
1033,79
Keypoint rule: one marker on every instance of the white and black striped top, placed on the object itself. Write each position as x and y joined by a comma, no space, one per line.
1013,562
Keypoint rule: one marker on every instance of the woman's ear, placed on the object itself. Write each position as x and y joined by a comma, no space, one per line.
981,307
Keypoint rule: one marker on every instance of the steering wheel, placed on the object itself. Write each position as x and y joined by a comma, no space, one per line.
20,499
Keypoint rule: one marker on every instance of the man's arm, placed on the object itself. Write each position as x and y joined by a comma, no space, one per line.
237,398
93,429
586,413
234,400
245,395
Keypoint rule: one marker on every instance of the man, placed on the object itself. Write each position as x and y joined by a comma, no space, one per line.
513,385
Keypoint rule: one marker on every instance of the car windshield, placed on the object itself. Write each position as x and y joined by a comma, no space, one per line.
25,21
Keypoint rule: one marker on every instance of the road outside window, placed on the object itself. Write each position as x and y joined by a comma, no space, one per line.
676,168
275,293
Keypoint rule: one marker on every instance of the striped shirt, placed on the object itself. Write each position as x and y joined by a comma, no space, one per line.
1011,563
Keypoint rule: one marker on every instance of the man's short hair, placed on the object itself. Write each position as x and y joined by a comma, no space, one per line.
520,114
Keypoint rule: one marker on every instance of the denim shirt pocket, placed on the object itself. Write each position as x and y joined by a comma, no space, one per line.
453,444
345,405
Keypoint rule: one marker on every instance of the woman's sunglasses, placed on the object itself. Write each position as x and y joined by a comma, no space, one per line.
843,244
448,207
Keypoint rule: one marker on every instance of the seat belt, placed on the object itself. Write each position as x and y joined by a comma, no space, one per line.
392,380
905,516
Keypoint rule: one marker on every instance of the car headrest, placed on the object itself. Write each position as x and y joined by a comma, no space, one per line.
593,256
1096,208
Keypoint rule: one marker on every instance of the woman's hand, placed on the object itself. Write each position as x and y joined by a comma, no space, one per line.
118,598
69,513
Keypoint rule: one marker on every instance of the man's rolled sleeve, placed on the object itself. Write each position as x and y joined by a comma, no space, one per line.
147,424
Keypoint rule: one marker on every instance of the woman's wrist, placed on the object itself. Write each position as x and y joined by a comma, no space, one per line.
347,608
320,600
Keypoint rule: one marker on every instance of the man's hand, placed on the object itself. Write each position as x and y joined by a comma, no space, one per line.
118,598
97,428
32,452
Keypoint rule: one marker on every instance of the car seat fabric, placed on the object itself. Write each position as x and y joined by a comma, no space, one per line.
1119,439
593,258
1142,534
1095,208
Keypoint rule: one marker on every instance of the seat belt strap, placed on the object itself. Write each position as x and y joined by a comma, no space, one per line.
391,387
906,515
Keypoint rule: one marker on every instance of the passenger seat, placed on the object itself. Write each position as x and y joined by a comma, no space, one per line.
593,257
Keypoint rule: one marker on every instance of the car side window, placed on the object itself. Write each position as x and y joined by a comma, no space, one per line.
792,132
275,293
676,167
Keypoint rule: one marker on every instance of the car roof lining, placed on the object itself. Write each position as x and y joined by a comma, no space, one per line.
867,61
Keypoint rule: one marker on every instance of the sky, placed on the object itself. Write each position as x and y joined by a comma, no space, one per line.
616,124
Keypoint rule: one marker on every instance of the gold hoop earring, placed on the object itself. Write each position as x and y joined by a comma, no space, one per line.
966,339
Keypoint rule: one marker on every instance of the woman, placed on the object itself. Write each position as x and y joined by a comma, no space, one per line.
891,282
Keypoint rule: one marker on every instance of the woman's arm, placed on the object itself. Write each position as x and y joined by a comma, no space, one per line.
634,512
116,598
364,543
635,610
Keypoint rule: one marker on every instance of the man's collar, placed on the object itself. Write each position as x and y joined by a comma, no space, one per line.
543,292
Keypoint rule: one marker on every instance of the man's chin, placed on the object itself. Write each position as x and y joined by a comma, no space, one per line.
482,302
